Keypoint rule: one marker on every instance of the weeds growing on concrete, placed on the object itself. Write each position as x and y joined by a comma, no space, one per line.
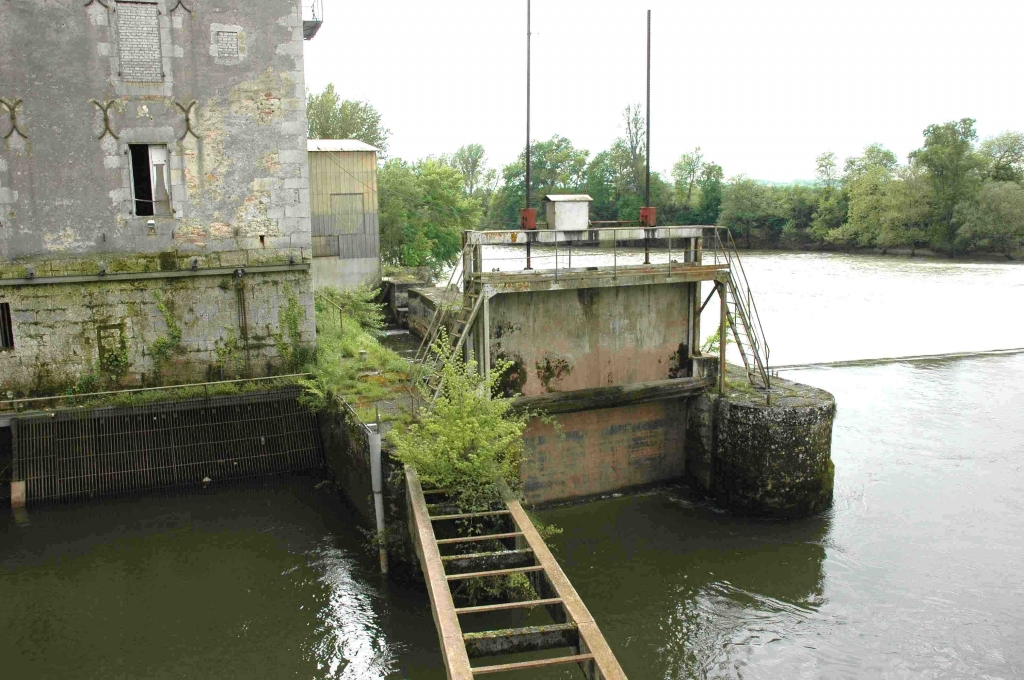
350,361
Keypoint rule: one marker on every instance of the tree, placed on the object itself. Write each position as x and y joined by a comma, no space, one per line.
995,221
627,156
686,171
954,169
331,118
558,167
423,212
875,155
830,214
1004,157
827,169
470,160
710,183
748,204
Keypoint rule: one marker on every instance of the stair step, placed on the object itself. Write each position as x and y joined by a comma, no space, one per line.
501,559
527,665
484,537
518,640
501,606
494,572
468,515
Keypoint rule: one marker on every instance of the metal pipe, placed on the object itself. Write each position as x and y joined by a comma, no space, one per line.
722,337
377,480
647,185
527,116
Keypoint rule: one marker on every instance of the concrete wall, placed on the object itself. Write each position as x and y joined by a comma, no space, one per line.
579,339
238,173
346,272
67,333
606,450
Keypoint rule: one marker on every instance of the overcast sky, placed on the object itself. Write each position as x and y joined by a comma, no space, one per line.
762,87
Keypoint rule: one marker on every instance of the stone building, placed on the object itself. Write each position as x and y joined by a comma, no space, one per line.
154,192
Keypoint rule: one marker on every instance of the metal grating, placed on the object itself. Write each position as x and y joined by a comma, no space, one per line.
75,454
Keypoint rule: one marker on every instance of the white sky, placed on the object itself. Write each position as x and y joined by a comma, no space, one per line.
762,87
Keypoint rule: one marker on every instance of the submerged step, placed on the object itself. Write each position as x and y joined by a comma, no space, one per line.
502,559
517,640
527,665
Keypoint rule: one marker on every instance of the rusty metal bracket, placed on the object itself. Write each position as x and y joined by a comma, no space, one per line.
11,108
103,3
187,110
105,108
183,6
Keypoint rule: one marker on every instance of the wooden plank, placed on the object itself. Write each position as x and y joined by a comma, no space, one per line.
471,539
453,649
591,639
527,665
501,559
501,606
519,640
494,572
469,515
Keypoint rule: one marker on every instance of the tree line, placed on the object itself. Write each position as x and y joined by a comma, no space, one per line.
954,195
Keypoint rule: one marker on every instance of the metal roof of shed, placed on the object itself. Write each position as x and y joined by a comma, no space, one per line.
567,197
338,145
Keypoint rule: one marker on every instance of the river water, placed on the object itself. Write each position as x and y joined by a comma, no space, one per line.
916,572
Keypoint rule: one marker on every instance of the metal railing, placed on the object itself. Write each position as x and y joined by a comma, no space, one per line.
724,247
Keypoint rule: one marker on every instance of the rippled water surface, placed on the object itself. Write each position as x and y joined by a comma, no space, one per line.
915,573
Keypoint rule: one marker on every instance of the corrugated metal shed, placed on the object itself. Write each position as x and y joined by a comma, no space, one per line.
343,198
338,145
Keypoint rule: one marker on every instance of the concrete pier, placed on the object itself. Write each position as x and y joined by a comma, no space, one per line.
759,458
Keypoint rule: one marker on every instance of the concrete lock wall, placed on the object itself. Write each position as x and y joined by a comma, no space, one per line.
562,341
595,452
594,337
219,92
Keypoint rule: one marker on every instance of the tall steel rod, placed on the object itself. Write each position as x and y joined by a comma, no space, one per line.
647,185
527,105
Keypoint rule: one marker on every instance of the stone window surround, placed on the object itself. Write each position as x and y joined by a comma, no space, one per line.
215,30
176,165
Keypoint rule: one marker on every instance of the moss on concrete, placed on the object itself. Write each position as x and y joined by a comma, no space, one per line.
761,459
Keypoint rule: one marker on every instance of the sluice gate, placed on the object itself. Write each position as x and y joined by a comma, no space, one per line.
83,453
512,547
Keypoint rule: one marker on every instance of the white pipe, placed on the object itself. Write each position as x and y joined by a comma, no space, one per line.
377,480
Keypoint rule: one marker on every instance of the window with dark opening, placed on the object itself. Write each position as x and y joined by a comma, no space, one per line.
6,327
150,187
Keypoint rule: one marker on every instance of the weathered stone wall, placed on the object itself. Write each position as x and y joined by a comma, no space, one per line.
152,331
222,88
606,450
762,459
596,337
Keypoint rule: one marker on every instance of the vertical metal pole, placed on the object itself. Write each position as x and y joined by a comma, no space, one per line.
647,185
527,117
670,254
486,332
722,337
377,480
570,254
556,256
615,253
528,267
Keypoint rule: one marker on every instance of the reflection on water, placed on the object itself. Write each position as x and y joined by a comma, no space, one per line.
915,572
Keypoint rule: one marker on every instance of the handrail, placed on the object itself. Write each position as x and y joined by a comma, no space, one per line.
437,320
750,318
